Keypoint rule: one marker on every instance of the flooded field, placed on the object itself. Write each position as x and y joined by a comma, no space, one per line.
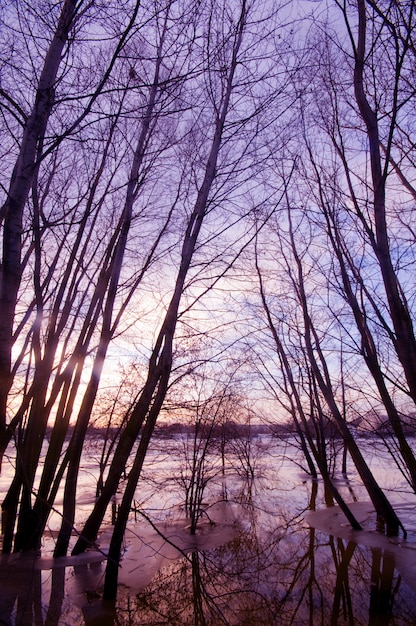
267,550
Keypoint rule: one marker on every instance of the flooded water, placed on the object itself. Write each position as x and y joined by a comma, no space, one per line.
267,550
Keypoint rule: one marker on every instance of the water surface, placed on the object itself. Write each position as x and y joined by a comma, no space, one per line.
266,551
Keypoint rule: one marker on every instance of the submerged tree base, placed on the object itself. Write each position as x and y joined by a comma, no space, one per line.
403,552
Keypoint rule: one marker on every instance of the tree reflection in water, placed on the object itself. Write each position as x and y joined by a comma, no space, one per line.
30,593
27,605
276,570
282,574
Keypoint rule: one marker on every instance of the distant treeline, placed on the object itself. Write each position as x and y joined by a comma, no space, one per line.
235,430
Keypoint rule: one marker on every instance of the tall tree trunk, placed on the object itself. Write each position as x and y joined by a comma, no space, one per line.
321,461
146,406
381,504
405,341
162,359
13,208
368,346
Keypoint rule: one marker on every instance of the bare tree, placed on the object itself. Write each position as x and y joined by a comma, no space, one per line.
78,294
32,149
321,372
362,202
